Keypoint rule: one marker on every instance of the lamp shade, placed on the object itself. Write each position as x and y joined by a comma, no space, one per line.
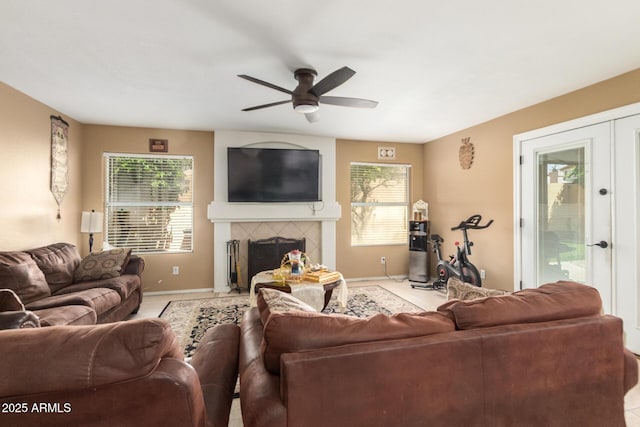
91,222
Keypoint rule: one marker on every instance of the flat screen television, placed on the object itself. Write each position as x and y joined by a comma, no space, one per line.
273,175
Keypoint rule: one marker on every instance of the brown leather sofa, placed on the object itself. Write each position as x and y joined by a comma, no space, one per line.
129,373
545,356
60,288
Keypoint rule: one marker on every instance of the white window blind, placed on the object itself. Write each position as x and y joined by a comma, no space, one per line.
379,204
149,202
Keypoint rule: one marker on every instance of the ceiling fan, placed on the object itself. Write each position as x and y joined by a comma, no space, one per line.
306,97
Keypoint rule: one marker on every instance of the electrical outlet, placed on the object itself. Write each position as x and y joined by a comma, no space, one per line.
176,270
383,260
483,274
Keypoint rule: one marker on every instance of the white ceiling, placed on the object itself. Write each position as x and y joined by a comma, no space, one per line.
434,66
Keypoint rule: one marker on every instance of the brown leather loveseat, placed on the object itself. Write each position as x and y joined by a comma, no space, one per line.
60,288
539,357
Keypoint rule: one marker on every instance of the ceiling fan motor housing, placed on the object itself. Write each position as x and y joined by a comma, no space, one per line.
301,95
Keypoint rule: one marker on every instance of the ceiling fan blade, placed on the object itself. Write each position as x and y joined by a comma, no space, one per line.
312,117
348,102
263,83
332,81
257,107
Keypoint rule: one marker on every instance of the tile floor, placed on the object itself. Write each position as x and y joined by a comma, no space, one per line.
152,305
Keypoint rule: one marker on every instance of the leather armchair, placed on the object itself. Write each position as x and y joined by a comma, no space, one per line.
129,373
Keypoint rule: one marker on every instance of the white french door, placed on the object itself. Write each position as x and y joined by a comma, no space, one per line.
565,201
627,227
578,184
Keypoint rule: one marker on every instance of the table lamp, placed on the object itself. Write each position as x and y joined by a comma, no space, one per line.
91,223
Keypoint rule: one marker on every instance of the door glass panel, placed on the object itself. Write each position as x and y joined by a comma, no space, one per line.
561,216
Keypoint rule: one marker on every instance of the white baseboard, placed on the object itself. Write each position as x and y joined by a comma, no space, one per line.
181,291
368,279
193,291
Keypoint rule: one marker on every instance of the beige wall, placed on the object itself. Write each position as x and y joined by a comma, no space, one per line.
196,269
28,216
487,188
28,213
360,262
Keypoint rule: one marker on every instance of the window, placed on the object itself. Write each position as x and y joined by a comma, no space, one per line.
149,202
379,204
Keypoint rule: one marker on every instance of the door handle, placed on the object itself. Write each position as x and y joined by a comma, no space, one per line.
601,243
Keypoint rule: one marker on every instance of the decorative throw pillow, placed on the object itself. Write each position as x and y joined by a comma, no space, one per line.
459,290
275,301
19,272
102,265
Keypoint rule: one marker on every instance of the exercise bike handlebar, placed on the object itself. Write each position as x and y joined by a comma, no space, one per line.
472,223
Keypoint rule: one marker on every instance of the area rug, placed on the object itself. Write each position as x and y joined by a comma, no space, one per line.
190,319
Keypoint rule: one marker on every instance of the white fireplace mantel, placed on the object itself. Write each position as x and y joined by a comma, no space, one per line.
222,213
251,212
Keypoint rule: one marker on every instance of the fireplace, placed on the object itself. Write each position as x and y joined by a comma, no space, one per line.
316,221
267,254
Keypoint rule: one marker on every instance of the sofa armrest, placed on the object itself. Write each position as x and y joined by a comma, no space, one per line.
216,362
134,266
630,370
18,319
83,357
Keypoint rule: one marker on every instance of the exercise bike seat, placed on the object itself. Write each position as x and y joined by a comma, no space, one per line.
436,238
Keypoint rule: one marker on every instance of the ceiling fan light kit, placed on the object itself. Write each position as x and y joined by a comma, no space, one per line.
306,97
306,108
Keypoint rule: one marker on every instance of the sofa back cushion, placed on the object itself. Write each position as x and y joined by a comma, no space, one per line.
294,331
553,301
83,357
102,265
19,272
58,262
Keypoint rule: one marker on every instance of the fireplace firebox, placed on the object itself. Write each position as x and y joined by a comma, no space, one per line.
267,254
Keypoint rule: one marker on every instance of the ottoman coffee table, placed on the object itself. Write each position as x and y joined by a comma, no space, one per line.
264,279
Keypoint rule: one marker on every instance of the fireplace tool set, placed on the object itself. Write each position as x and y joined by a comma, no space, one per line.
234,279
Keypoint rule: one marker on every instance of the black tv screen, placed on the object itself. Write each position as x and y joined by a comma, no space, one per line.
273,175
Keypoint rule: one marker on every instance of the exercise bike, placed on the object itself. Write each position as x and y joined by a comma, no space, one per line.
459,265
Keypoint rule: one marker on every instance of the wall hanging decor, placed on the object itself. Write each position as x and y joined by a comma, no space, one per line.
159,145
465,153
59,161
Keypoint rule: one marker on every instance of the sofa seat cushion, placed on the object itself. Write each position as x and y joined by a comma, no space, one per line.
99,299
553,301
67,315
58,262
20,273
298,330
83,357
124,285
102,265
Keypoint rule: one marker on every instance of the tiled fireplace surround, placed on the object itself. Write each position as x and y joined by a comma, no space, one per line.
243,231
242,221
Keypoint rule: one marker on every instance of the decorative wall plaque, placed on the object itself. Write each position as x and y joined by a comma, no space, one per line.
466,153
59,159
158,145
